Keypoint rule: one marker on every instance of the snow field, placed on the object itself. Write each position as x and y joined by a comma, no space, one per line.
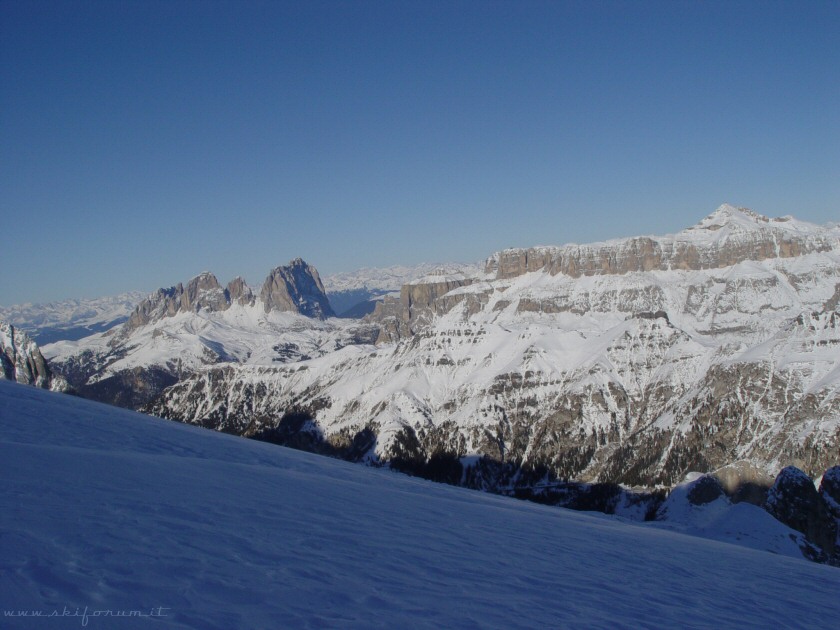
113,510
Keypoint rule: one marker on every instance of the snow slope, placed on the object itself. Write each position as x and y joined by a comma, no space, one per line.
241,334
107,510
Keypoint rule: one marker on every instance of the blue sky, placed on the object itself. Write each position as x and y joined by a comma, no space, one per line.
144,142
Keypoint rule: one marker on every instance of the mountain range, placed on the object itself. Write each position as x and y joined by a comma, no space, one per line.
635,361
70,319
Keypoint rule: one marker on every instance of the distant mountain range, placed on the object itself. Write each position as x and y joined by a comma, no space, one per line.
71,319
356,293
634,361
351,294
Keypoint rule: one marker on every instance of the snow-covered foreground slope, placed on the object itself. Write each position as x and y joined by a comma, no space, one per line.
107,510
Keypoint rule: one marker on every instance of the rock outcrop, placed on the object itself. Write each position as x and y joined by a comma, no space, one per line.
21,361
296,287
418,303
794,501
239,292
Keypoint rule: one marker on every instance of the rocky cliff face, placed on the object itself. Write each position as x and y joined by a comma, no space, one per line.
294,288
202,292
298,288
724,238
21,361
240,293
419,302
794,501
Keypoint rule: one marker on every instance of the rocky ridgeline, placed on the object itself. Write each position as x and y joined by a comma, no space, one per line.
21,361
629,377
727,237
134,363
716,242
293,288
792,499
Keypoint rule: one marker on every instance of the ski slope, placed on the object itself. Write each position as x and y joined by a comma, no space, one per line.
106,511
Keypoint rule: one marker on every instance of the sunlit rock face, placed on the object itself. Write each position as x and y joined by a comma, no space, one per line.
724,238
21,361
177,330
296,287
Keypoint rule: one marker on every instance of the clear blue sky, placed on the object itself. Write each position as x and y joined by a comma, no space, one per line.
144,142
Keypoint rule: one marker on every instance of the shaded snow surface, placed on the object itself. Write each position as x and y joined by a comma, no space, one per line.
114,511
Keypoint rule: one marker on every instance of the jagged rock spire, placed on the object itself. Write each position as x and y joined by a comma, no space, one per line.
296,287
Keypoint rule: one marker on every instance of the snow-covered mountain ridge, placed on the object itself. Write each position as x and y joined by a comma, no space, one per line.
175,331
726,237
636,376
523,373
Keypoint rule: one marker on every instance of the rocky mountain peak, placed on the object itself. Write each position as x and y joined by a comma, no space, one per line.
204,292
238,291
728,215
296,287
729,222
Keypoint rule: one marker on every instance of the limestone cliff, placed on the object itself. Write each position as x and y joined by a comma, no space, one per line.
724,238
296,287
202,292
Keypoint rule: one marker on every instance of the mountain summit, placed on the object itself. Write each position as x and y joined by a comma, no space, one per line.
296,287
726,237
728,215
